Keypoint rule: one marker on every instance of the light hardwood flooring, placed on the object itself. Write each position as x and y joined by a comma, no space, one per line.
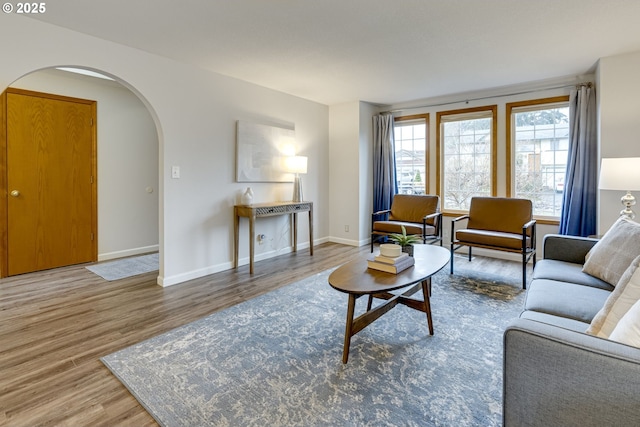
56,324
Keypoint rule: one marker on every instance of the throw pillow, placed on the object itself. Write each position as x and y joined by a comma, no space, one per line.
624,295
628,329
610,257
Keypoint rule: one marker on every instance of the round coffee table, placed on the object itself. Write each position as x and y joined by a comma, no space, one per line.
356,279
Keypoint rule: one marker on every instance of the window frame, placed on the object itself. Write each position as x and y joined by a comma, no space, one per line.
493,110
511,151
427,150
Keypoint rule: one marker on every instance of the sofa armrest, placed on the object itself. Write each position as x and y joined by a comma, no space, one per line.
555,376
567,248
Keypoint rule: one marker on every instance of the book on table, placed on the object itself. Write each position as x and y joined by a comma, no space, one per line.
390,260
396,267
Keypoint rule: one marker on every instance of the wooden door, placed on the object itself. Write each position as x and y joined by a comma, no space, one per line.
51,188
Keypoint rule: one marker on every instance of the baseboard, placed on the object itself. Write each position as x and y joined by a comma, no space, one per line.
347,242
128,252
194,274
212,269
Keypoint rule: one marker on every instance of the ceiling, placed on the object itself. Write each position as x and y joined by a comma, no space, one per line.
379,51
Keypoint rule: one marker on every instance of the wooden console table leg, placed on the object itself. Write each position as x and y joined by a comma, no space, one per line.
236,237
311,231
426,292
252,238
348,333
295,232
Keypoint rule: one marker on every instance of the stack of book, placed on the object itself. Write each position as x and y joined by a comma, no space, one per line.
391,264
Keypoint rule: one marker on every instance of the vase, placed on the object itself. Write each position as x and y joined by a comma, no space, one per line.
408,249
247,196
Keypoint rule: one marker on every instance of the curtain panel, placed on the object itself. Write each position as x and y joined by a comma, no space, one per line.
385,185
579,202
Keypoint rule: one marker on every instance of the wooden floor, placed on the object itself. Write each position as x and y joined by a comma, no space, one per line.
55,325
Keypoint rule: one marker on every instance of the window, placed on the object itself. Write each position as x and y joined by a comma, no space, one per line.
466,160
410,138
538,135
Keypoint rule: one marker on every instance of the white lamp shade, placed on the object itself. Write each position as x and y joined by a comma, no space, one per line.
621,173
296,164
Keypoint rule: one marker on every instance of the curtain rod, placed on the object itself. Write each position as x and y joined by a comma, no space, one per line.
524,92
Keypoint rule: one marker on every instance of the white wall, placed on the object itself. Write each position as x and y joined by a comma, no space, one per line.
127,160
195,112
344,173
619,114
367,112
351,172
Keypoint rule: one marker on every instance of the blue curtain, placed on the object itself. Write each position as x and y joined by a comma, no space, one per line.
578,217
384,162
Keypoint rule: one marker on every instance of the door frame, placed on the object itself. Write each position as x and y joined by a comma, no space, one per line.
4,191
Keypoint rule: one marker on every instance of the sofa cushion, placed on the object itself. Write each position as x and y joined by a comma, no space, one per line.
550,319
567,272
610,257
565,299
625,294
627,331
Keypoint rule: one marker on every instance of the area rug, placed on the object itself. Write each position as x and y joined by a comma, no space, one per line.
276,360
126,267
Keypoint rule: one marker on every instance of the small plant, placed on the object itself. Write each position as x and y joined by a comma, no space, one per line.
402,239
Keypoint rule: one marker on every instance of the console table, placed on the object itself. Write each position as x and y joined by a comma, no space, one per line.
260,210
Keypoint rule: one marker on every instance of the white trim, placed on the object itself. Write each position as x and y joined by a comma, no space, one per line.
212,269
128,252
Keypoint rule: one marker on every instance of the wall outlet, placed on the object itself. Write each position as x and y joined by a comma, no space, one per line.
261,238
346,228
175,172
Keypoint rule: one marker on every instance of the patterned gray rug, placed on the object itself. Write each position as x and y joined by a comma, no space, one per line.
126,267
276,360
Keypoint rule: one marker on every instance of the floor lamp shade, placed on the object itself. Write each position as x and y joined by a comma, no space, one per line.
296,165
621,174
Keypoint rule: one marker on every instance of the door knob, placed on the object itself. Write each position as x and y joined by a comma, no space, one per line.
15,193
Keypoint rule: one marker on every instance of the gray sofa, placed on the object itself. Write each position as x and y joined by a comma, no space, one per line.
554,373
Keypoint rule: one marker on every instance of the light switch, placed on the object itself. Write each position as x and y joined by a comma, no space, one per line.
175,172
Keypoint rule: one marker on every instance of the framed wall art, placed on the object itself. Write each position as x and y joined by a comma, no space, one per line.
260,151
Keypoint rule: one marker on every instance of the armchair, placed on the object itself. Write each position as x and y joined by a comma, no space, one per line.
498,223
419,214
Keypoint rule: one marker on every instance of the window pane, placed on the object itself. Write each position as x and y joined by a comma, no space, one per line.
410,150
466,161
541,140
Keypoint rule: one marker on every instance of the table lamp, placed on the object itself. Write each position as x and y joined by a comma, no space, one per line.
296,165
622,174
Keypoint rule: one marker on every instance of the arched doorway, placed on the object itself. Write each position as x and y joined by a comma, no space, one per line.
127,158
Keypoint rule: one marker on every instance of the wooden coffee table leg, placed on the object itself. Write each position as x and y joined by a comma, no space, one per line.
370,302
348,333
426,291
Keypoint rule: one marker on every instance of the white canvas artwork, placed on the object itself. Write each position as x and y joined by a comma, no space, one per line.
260,152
